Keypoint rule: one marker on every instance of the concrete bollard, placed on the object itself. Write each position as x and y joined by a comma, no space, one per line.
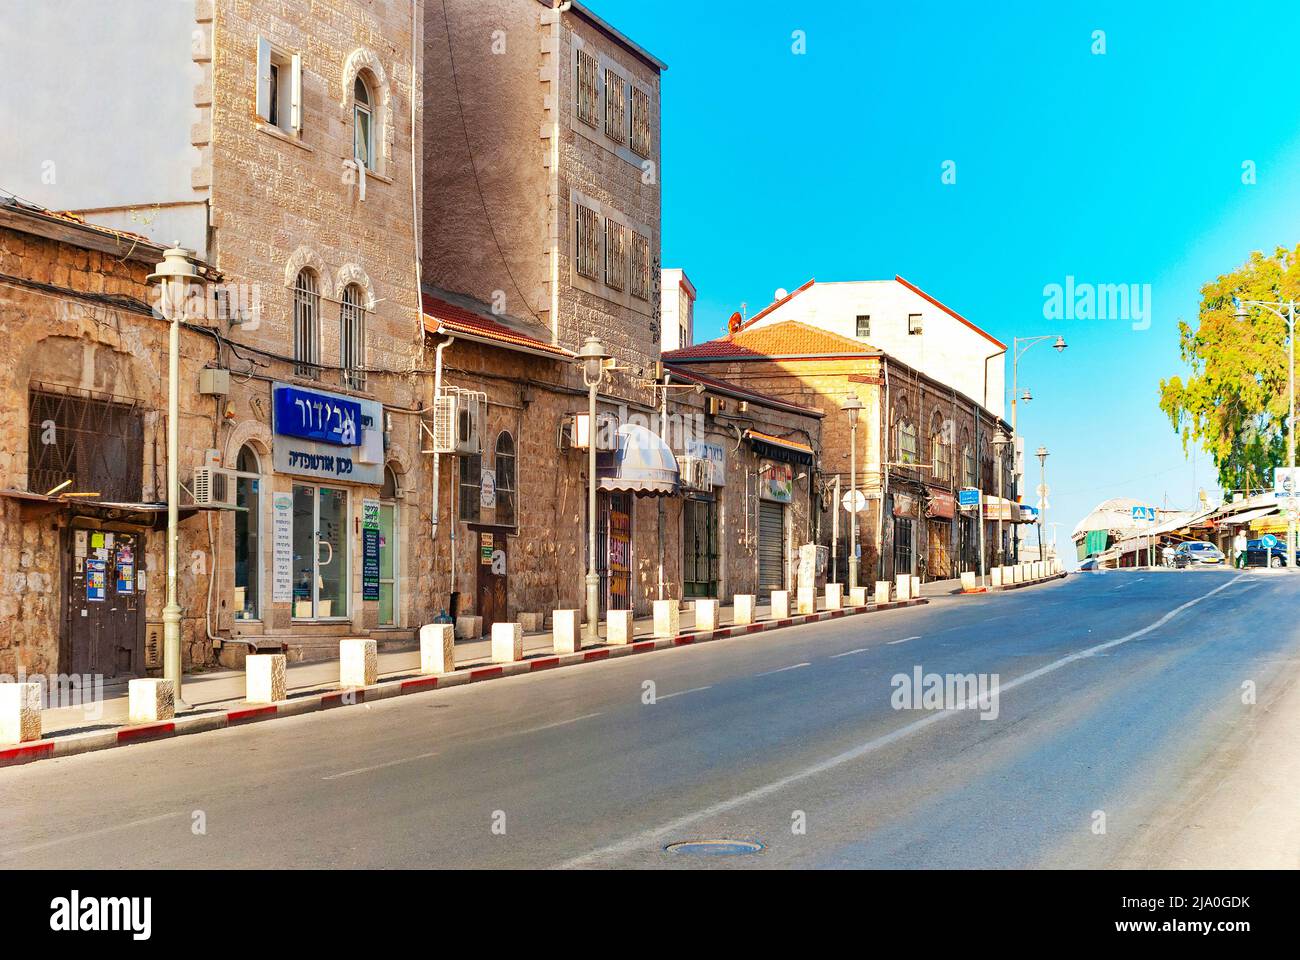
903,586
806,600
668,619
883,590
358,662
532,622
834,596
968,580
507,642
780,604
1017,574
264,678
706,614
995,576
437,648
566,631
743,606
20,712
857,596
915,592
469,628
618,627
150,701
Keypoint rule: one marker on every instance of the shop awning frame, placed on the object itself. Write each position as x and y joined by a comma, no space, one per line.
779,448
642,464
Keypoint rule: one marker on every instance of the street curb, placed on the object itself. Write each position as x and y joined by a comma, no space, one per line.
249,713
1016,586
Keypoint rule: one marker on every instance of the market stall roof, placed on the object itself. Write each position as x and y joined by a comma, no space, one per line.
151,514
641,463
1246,516
780,448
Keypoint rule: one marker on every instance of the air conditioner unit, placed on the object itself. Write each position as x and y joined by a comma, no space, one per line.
696,473
213,487
575,431
469,423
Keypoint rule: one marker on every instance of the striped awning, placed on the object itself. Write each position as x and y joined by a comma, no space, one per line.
779,448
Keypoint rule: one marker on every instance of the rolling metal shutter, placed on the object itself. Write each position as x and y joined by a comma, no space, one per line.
771,547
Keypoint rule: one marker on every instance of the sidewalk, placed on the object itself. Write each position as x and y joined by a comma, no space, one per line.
220,690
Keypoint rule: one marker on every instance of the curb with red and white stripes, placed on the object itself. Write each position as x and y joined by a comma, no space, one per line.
1017,586
66,746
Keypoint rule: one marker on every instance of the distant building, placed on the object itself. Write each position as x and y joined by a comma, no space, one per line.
678,297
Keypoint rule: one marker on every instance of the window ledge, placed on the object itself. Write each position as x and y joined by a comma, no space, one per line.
372,175
272,130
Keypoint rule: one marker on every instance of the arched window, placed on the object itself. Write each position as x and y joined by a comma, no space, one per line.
306,325
352,336
248,535
389,533
940,450
363,124
906,442
505,461
968,465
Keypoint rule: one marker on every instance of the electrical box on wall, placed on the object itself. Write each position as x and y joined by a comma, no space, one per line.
214,382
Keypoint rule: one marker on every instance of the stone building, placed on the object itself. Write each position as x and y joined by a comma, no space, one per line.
542,228
281,145
919,441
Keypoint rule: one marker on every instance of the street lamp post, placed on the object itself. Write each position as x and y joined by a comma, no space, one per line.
851,406
1016,351
1289,317
593,358
1042,498
1001,439
175,274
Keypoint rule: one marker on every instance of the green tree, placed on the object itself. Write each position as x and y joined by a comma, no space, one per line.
1234,403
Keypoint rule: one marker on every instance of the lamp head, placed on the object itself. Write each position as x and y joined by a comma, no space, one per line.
1060,344
1239,309
852,404
1027,396
593,357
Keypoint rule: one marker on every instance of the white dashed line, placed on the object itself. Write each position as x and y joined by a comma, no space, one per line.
682,693
793,666
904,640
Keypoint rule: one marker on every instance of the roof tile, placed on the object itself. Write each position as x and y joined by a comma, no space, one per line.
790,338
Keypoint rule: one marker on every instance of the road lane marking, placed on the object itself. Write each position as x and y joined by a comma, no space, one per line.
93,833
378,766
793,666
558,723
849,653
646,838
904,640
682,693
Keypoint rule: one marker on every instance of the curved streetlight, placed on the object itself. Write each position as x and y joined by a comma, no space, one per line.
1017,351
852,406
592,356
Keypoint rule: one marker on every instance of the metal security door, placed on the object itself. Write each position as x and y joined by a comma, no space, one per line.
771,547
104,628
700,548
491,584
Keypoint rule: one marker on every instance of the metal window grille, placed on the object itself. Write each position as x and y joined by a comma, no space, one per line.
96,443
641,122
306,326
588,244
505,463
641,267
615,255
587,95
353,337
864,326
471,486
615,107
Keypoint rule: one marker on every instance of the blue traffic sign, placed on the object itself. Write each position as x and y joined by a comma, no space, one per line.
968,498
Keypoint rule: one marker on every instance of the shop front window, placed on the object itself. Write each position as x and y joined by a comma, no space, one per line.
320,553
388,550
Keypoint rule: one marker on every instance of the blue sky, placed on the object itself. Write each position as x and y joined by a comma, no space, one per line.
1117,168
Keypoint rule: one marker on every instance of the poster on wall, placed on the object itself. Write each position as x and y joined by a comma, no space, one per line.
776,481
96,579
282,546
370,550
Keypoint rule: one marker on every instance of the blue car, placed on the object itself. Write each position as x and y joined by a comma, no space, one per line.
1267,553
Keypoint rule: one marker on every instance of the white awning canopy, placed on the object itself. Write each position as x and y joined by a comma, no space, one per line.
642,464
1247,516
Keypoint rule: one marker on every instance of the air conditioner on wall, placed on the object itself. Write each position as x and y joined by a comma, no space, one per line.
469,423
213,487
696,473
440,436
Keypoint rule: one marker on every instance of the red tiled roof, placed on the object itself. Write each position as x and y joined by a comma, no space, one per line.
441,317
790,338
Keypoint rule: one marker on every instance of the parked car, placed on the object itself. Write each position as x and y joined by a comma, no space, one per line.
1267,553
1195,552
1090,564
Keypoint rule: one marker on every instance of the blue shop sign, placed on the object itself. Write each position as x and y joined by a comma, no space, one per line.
311,415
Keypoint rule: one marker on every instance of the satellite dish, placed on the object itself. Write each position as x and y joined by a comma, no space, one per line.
781,293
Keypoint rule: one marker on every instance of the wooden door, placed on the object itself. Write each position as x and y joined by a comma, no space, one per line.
492,579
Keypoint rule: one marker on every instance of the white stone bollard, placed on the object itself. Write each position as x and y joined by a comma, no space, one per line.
437,648
20,712
904,586
743,606
968,580
857,596
834,596
706,614
150,701
507,642
264,678
806,600
883,591
532,622
780,604
995,576
566,631
358,662
915,592
668,619
618,627
469,628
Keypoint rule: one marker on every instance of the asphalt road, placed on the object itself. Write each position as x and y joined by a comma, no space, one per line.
1114,692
